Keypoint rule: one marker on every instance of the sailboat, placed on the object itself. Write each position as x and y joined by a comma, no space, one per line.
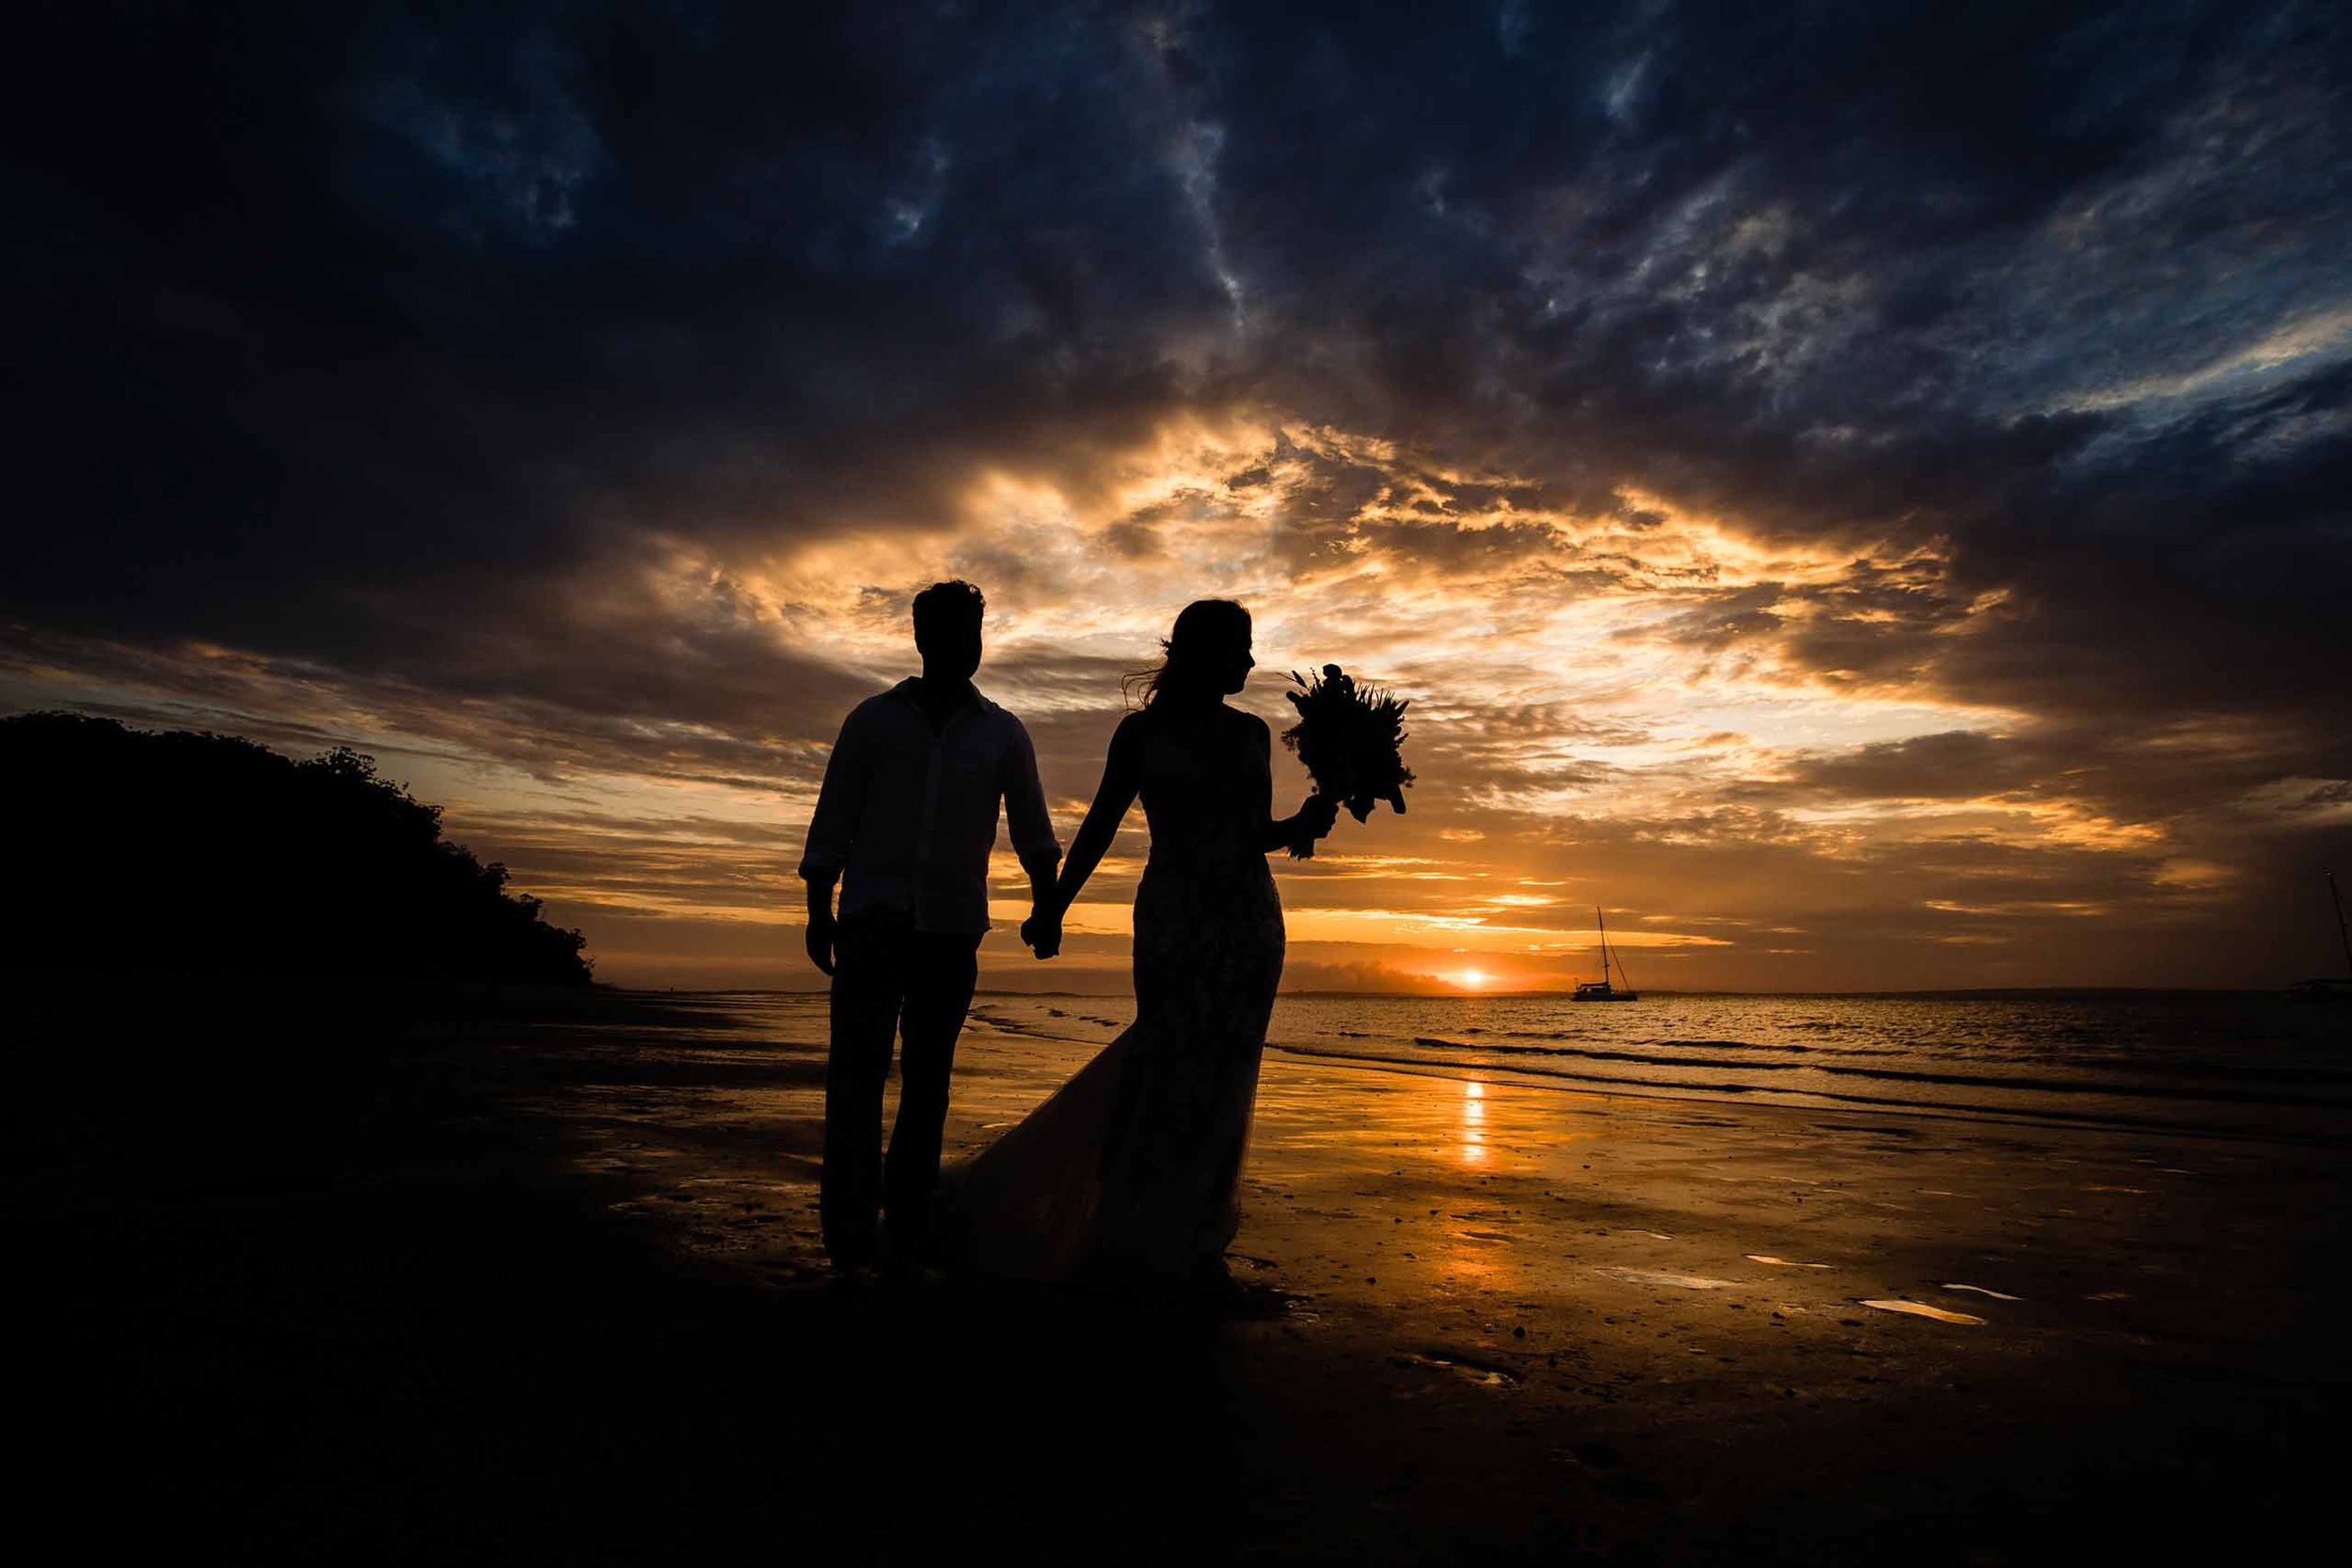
2326,989
1600,990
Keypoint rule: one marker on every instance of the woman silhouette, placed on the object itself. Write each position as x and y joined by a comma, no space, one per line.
1126,1176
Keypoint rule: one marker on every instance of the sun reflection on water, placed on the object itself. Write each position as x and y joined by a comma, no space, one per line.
1474,1123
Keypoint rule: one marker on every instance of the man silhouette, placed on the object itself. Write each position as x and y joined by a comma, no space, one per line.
905,820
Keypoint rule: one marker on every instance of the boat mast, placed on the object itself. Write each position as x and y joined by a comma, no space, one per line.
2343,933
1599,920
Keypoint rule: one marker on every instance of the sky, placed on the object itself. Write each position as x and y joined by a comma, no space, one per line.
1859,492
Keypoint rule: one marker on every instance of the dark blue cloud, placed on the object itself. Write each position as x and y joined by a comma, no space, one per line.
342,323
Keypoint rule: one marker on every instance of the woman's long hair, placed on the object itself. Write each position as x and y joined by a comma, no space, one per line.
1200,626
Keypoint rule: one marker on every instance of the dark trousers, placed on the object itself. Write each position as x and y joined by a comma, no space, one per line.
889,980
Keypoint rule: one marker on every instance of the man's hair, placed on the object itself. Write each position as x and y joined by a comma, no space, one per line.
946,608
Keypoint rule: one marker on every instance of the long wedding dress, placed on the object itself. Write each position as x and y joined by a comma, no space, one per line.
1127,1174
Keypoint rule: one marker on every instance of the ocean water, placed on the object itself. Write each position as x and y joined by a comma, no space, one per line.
2238,1065
2243,1065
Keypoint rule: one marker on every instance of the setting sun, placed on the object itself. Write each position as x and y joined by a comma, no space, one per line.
1470,979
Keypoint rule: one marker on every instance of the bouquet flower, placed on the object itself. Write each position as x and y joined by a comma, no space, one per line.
1350,736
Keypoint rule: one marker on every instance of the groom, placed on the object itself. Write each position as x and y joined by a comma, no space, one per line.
905,821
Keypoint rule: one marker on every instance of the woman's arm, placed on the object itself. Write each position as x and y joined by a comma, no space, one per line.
1311,821
1123,775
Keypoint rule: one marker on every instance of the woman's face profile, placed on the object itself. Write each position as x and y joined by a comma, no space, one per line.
1211,645
1236,664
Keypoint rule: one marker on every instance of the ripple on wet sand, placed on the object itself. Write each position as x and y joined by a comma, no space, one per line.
1921,1309
1654,1276
1485,1373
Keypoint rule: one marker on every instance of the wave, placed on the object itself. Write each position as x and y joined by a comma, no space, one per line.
2130,1070
1564,1034
2126,1086
2123,1087
1794,1096
1588,1053
1617,1081
2051,1086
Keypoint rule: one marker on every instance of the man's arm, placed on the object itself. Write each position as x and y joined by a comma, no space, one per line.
841,802
821,929
1032,825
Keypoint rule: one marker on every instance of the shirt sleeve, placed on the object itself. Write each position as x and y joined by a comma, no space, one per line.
1025,807
841,802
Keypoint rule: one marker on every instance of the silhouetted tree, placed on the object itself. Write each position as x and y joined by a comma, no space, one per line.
207,852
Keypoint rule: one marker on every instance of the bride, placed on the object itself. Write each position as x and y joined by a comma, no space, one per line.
1125,1177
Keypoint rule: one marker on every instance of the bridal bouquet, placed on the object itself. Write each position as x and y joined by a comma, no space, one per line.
1350,737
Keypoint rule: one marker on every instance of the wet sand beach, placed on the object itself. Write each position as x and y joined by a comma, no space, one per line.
545,1284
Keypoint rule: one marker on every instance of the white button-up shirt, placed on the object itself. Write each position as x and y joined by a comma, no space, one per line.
907,815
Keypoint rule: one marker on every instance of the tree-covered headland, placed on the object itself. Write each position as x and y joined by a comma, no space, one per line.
208,853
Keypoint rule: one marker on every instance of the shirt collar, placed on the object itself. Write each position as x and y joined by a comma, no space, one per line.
904,691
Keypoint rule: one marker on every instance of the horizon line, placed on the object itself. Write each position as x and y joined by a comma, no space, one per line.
1515,995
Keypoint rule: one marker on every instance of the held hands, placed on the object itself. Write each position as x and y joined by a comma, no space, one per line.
1041,931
